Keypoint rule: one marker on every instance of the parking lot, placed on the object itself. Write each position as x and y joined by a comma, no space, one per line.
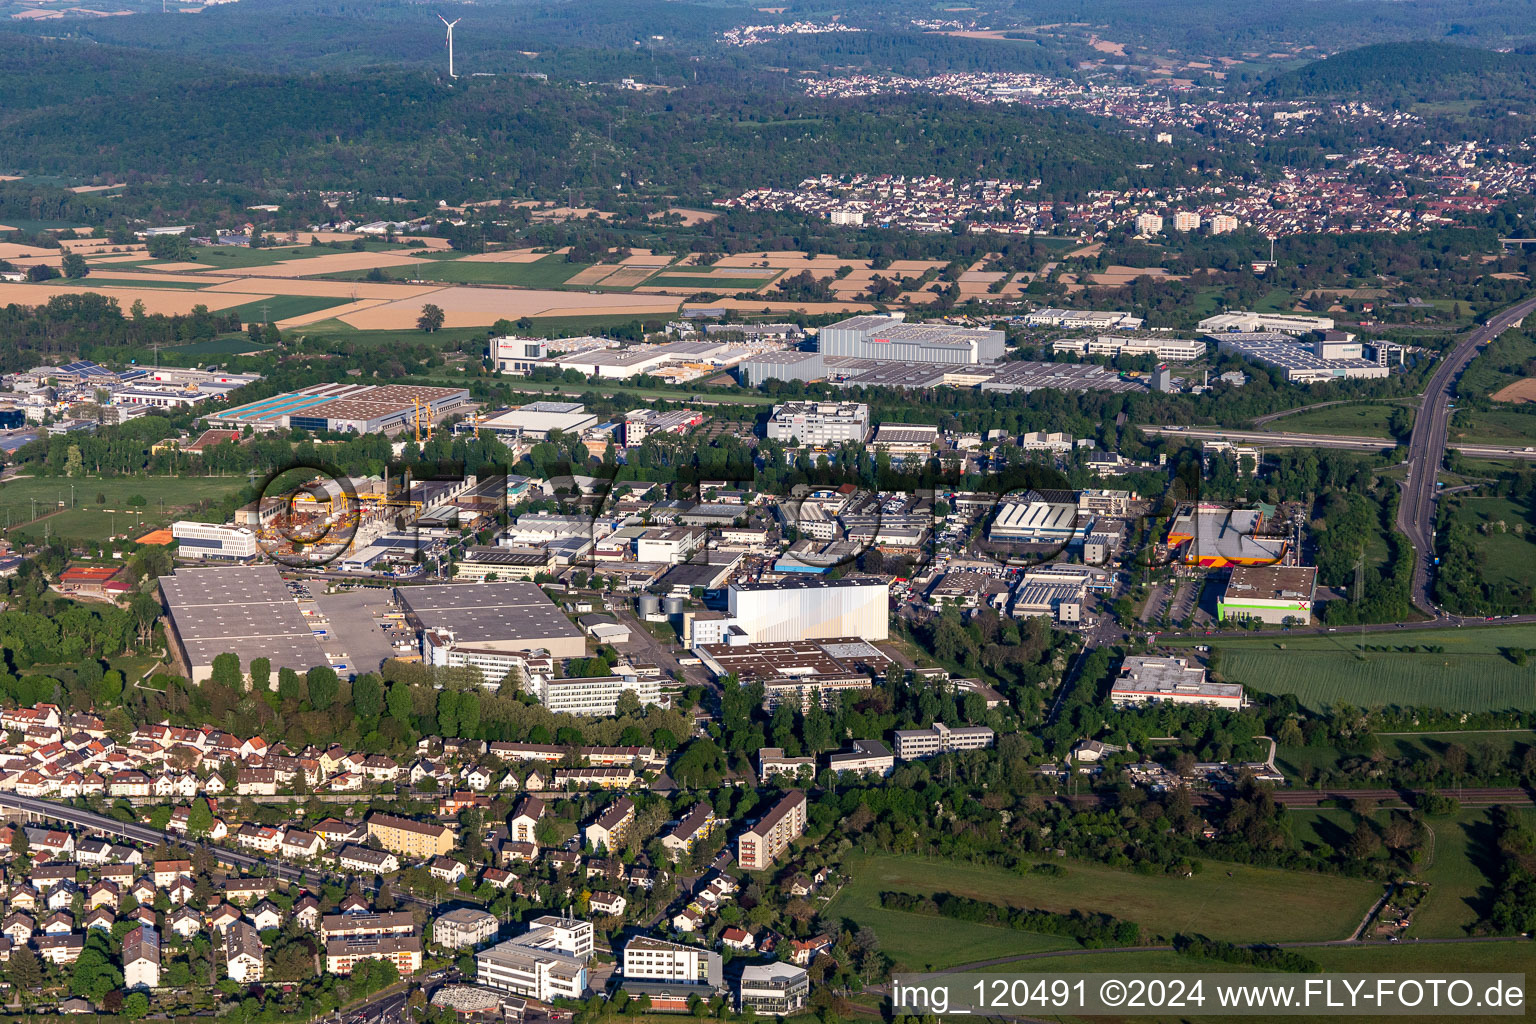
356,622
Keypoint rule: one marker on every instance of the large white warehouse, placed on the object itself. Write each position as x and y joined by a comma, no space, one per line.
812,609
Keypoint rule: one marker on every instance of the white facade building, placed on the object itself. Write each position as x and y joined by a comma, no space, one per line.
548,961
1171,350
819,423
592,695
210,540
811,609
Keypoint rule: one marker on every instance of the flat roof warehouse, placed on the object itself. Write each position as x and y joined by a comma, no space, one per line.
243,610
359,408
514,616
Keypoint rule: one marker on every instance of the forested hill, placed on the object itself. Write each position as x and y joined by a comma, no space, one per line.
86,111
1421,71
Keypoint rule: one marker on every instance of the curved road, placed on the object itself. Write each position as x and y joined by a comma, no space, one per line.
1426,448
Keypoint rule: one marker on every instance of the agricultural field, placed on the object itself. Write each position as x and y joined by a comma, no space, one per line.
1218,902
225,345
548,272
165,498
1472,674
1367,419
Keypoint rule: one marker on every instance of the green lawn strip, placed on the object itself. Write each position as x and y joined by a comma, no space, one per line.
1471,674
89,519
1218,902
1495,426
1364,420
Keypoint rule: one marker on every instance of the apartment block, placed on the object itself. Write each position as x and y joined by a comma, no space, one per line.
759,846
415,839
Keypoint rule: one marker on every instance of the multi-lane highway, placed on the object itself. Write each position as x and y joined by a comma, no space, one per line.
1346,442
1426,447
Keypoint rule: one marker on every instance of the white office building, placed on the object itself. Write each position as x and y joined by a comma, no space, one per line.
811,609
648,959
819,423
1143,680
210,540
1243,322
1169,350
548,961
592,695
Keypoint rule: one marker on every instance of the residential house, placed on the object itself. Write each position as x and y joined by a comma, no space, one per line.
141,959
244,955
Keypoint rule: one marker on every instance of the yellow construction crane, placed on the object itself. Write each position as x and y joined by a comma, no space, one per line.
417,403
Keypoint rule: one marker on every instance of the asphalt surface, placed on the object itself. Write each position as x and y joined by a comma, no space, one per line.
354,620
1343,442
144,834
1426,448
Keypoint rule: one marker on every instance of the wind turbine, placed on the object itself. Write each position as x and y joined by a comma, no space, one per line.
450,25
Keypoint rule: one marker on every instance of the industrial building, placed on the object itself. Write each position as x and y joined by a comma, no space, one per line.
509,354
546,962
210,540
787,364
1036,521
1062,600
536,421
481,562
620,364
802,609
243,610
347,408
900,439
1027,375
941,739
1301,362
1078,319
1143,680
819,423
1243,322
493,616
796,671
1171,350
640,424
1214,536
884,337
1275,594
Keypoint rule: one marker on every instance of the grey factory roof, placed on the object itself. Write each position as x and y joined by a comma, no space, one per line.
245,610
487,611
